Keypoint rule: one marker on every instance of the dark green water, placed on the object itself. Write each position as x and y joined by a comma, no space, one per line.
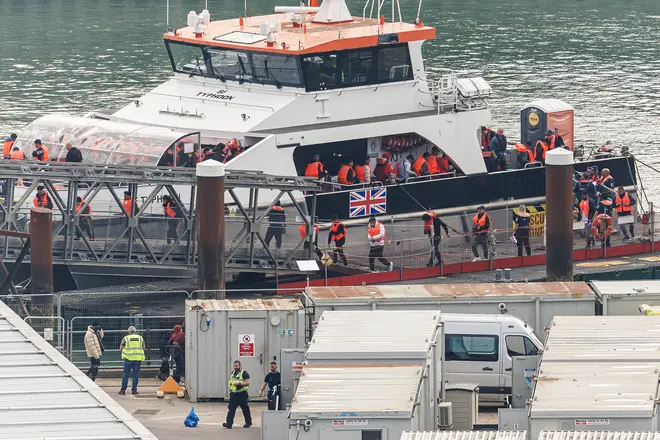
603,57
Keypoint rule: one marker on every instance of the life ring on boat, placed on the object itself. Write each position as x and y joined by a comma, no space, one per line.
601,219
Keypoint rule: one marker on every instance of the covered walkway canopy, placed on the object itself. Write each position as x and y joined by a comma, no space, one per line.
101,141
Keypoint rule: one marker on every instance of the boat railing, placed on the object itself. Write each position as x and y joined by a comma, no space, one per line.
533,165
430,177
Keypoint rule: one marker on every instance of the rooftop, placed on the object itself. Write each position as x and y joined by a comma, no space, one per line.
318,37
627,288
45,396
374,334
376,390
447,291
246,304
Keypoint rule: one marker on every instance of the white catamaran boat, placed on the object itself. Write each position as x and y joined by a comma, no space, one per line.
317,80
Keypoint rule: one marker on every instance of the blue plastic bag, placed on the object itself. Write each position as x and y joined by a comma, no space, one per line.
192,420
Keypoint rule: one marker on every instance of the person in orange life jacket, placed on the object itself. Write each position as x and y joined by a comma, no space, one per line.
550,140
525,154
41,151
392,167
498,145
232,149
302,229
17,154
420,166
585,185
346,175
363,172
382,171
338,235
585,210
432,161
8,145
85,223
480,228
127,203
315,168
433,228
521,230
173,213
486,152
41,199
559,141
443,162
376,236
540,151
276,225
606,179
486,138
605,206
623,204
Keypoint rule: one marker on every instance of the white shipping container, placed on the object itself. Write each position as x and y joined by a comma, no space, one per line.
534,303
250,330
624,297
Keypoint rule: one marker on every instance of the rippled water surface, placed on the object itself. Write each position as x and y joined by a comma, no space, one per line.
603,57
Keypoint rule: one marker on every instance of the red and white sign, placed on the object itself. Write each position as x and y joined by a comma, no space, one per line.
245,345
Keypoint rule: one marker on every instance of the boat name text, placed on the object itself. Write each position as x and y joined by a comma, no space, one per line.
220,94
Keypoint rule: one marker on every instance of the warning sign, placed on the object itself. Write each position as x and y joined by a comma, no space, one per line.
536,219
592,422
350,422
245,345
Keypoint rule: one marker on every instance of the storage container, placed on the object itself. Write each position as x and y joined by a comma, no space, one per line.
624,297
252,331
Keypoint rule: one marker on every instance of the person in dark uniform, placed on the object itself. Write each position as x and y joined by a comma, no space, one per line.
73,155
273,381
239,382
276,225
521,230
433,228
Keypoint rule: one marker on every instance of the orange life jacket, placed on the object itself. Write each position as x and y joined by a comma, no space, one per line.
602,182
374,231
601,219
336,235
428,225
417,165
17,155
312,169
80,205
481,222
360,172
584,208
128,205
45,155
342,176
433,164
6,148
303,230
443,164
41,202
623,204
169,211
522,148
551,144
545,148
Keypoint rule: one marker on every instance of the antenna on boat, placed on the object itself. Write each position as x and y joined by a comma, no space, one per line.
167,15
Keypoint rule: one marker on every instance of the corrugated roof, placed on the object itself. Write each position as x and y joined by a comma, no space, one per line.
598,435
627,288
447,291
603,338
246,304
464,435
357,390
43,395
374,334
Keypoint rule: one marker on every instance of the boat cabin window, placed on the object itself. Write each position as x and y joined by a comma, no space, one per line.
278,69
230,64
187,58
350,68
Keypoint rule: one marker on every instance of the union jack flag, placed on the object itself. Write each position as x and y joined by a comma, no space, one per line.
368,202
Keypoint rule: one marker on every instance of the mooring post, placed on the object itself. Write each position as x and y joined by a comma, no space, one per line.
41,254
210,217
559,215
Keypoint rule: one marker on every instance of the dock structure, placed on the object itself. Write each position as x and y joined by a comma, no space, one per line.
45,396
113,240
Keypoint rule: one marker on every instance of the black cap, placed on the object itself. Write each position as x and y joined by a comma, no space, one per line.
127,193
13,136
426,154
40,187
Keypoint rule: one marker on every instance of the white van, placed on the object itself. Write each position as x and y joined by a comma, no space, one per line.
478,349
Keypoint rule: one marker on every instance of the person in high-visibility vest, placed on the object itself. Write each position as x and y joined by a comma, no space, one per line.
376,236
7,146
40,152
337,234
239,382
132,352
85,218
480,228
173,213
624,209
302,229
127,203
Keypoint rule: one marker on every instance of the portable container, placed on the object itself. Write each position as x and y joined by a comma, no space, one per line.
546,114
383,337
625,297
252,331
598,374
534,303
359,402
466,435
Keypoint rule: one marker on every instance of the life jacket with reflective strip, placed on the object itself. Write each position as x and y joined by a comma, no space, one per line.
169,211
623,204
418,164
133,350
6,148
360,172
236,377
342,176
312,169
334,230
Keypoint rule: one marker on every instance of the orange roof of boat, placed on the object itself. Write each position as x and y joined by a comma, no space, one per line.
313,38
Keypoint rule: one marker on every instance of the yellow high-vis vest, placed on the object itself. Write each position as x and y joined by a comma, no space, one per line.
133,350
